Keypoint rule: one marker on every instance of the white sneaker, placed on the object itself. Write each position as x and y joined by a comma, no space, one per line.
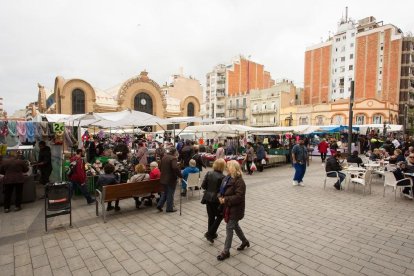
295,183
301,184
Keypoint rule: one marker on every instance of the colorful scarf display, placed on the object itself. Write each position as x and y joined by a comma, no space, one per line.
21,130
30,132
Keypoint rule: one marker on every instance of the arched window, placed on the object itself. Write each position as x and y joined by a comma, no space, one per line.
377,119
143,103
360,119
78,101
338,120
190,109
319,120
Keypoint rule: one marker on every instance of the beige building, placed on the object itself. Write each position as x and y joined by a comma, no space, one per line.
77,96
183,96
266,104
367,111
238,109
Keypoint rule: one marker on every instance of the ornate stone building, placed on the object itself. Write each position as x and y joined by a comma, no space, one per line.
77,96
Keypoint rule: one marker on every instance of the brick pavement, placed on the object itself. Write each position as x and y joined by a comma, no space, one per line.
292,230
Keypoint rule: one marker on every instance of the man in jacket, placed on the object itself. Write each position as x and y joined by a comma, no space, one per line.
78,177
260,155
169,176
332,166
13,170
300,160
187,153
44,162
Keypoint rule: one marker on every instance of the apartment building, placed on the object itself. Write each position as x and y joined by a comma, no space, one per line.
366,52
406,112
267,105
228,88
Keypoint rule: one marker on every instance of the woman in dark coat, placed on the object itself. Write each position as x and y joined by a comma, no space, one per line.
232,197
13,170
211,185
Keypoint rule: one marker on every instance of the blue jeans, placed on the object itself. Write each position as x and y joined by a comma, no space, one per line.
342,176
300,170
83,188
167,195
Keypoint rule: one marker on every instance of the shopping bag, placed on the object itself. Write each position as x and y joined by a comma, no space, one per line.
253,167
263,161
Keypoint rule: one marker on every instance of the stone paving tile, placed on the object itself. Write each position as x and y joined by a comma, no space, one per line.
292,230
62,271
25,270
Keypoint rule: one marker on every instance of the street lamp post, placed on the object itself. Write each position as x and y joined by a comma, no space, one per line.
351,115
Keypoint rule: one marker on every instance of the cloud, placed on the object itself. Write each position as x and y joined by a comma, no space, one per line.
107,42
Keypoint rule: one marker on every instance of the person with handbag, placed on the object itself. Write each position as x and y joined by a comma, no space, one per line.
232,197
249,157
211,184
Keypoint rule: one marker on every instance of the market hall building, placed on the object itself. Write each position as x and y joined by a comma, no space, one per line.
181,97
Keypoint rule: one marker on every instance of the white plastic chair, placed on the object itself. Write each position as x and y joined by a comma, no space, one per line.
364,180
326,177
193,181
390,181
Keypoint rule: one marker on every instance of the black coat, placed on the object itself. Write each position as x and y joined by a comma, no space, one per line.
212,181
45,156
169,170
332,164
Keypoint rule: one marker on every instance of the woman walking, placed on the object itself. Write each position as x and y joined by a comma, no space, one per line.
211,185
323,149
232,197
249,157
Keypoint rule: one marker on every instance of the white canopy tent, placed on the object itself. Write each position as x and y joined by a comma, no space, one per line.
218,130
390,127
124,118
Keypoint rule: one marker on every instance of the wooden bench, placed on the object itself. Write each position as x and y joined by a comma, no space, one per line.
123,191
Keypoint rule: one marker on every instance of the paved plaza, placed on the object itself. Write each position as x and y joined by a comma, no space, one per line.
292,231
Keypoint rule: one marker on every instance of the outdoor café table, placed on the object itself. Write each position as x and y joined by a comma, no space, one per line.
372,165
350,171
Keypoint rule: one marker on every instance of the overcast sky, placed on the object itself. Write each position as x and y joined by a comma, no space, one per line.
107,42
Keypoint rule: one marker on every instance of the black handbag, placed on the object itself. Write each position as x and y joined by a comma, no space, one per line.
209,197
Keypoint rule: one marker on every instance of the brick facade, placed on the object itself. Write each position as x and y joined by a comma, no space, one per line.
247,75
317,75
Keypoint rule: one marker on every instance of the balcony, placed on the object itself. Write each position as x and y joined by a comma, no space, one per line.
220,110
220,94
239,118
233,106
263,124
266,111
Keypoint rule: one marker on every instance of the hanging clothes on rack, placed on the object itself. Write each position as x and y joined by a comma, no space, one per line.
44,130
12,138
70,140
21,131
30,132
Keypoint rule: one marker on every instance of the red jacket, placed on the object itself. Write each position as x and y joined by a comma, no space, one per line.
79,175
155,174
323,147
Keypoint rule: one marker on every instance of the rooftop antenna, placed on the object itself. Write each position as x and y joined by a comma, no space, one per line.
346,14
